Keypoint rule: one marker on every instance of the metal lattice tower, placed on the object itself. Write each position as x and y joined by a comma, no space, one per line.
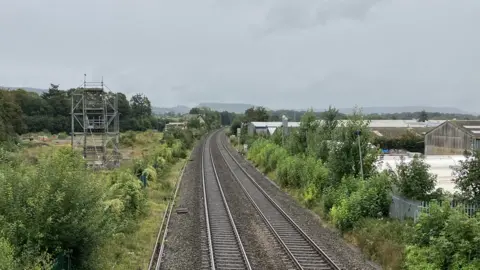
95,124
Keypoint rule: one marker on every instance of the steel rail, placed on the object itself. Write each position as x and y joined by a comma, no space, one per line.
232,222
205,206
152,258
324,256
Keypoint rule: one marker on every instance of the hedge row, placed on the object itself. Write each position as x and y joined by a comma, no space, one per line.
346,202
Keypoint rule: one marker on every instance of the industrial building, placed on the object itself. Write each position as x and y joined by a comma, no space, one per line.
267,128
388,128
453,138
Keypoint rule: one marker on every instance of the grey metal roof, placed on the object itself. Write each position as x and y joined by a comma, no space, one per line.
273,124
373,123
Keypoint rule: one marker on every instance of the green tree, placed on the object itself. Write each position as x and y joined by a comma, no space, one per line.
140,106
307,131
211,118
11,116
59,103
226,118
195,110
423,117
467,178
344,156
235,124
259,114
329,123
413,179
194,123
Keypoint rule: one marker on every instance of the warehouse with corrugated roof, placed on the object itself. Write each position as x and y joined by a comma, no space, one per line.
381,128
453,138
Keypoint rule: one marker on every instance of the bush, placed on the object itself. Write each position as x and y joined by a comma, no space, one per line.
289,172
413,179
128,138
372,199
62,136
446,238
276,155
7,260
55,206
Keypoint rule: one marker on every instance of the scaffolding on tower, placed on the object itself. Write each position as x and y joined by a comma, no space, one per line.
95,124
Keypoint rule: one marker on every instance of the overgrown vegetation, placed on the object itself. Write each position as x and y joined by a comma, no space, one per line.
54,212
331,168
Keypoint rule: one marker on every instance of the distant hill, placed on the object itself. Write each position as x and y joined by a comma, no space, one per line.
242,107
177,109
229,107
380,110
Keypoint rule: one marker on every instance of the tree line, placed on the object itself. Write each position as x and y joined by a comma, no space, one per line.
24,112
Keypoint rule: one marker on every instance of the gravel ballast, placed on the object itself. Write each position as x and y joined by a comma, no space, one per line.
261,247
329,240
183,244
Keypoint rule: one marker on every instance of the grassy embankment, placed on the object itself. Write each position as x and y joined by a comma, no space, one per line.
131,248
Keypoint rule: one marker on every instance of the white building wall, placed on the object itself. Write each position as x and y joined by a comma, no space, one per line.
440,166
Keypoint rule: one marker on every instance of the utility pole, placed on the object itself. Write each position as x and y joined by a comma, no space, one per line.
285,129
358,133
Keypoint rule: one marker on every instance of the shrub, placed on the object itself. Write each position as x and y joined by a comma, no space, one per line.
128,138
276,155
289,172
372,199
310,194
7,260
446,238
55,206
413,179
62,136
334,194
264,156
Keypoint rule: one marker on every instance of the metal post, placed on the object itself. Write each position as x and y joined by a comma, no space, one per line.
358,132
284,129
73,118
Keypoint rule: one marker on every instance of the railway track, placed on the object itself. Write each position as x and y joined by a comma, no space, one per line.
225,248
302,250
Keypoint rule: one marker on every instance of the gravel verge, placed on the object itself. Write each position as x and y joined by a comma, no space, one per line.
183,244
329,240
261,247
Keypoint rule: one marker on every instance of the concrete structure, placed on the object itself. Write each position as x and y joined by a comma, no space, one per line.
95,121
440,165
453,138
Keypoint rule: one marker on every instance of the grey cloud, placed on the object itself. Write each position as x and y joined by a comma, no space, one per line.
366,52
286,14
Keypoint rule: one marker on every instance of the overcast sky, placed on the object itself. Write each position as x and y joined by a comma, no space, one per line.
276,53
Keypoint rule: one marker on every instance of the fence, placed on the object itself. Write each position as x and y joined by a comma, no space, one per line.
402,208
469,209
